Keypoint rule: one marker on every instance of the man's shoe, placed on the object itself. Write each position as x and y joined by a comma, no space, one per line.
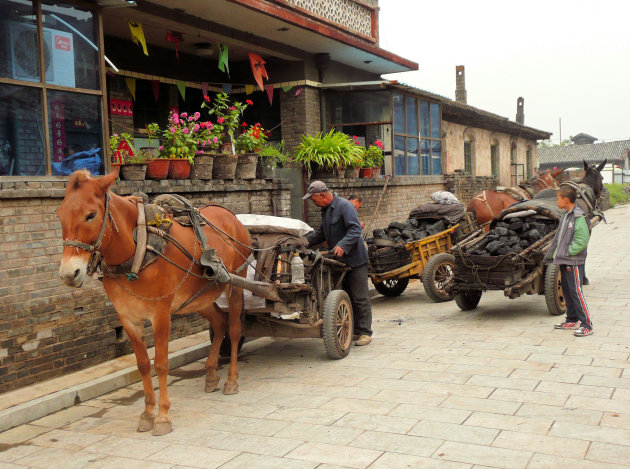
363,340
355,336
582,332
566,325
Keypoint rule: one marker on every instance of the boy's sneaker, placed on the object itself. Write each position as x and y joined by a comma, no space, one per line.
566,325
583,331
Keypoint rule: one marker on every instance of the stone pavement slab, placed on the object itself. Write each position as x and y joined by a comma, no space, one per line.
437,388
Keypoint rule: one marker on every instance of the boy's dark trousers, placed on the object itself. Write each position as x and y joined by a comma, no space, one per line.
572,277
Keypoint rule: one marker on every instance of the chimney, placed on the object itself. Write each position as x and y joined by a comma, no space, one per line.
460,84
520,111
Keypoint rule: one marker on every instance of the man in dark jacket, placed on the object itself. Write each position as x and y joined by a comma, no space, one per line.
341,230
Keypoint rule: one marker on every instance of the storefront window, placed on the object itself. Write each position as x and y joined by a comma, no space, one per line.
21,132
399,156
75,129
19,48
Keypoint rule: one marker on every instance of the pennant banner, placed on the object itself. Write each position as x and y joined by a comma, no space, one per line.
227,87
181,86
155,85
269,90
299,91
258,69
204,88
223,58
137,35
176,38
131,84
249,89
286,88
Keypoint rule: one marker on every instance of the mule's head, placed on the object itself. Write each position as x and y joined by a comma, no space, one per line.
82,214
593,176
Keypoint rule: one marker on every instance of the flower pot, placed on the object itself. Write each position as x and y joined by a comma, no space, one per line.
179,169
324,173
365,172
202,169
158,169
224,166
133,172
376,172
352,173
150,153
264,171
226,148
246,166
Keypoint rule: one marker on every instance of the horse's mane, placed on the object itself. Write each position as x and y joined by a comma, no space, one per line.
77,179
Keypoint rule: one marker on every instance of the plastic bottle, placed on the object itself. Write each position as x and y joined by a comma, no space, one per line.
297,269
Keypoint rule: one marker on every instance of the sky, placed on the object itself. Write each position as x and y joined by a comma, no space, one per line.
569,60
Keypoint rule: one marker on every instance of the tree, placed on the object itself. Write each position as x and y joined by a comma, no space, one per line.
549,143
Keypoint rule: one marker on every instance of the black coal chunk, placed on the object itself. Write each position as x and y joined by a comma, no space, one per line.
378,233
503,224
413,222
393,233
436,228
396,226
512,240
407,234
493,246
516,225
533,234
500,230
524,243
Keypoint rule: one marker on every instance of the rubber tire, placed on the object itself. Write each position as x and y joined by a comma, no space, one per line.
225,351
428,277
554,298
468,299
334,348
398,286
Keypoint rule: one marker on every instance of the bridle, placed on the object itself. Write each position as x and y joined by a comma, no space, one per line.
96,256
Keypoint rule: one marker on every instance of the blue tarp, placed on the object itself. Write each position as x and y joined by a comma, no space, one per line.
89,159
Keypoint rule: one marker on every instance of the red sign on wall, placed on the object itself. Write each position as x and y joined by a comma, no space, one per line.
63,43
58,130
118,107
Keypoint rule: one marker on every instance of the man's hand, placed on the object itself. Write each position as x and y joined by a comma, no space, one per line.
337,251
362,225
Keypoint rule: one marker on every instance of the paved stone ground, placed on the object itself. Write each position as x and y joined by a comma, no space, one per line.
498,387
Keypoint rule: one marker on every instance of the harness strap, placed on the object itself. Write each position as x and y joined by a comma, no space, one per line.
141,241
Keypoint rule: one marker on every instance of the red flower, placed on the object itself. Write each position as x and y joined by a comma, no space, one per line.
221,120
357,143
257,124
205,97
379,144
232,108
256,132
355,137
268,133
244,124
250,102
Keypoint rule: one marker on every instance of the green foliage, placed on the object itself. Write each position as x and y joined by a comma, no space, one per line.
275,155
253,139
228,113
122,156
374,157
549,143
617,194
335,150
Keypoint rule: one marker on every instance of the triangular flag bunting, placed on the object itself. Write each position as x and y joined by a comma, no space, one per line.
155,85
204,88
137,35
299,91
223,58
249,89
131,84
227,87
269,90
175,37
286,88
181,86
258,69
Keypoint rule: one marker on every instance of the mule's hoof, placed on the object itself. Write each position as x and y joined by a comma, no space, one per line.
231,387
161,428
146,422
212,385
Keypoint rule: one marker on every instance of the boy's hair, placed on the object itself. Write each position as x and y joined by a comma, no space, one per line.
355,197
568,192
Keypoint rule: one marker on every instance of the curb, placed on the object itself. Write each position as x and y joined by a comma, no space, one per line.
46,405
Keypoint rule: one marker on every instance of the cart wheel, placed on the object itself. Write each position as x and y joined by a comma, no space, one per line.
225,351
338,324
437,275
468,299
392,287
554,297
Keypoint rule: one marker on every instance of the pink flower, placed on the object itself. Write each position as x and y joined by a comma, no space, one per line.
161,147
175,116
184,115
196,129
185,130
208,142
209,125
172,130
181,121
215,140
197,115
190,118
221,120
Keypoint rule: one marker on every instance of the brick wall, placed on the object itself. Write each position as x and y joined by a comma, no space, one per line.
299,115
465,187
48,329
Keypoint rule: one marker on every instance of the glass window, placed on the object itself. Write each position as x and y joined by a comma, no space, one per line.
399,114
70,38
436,157
75,130
425,151
412,116
494,160
21,133
19,48
468,157
412,156
399,156
424,119
435,120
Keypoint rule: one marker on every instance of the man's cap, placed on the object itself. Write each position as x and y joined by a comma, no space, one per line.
316,187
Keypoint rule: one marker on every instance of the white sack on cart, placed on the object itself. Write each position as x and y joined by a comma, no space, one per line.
268,224
249,300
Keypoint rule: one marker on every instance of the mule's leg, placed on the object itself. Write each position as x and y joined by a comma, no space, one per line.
218,322
236,308
135,332
161,333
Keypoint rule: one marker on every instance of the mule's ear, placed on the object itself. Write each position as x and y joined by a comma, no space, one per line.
555,174
585,165
602,165
106,181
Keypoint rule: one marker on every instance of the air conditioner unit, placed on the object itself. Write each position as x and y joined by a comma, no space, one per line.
58,54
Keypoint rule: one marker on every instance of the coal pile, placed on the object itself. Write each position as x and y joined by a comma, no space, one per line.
513,235
411,230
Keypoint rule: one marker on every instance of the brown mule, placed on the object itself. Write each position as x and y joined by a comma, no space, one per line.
94,220
487,204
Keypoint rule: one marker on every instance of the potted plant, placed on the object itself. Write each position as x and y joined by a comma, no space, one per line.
271,156
206,153
157,164
366,165
325,155
132,163
228,116
355,160
248,146
375,154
